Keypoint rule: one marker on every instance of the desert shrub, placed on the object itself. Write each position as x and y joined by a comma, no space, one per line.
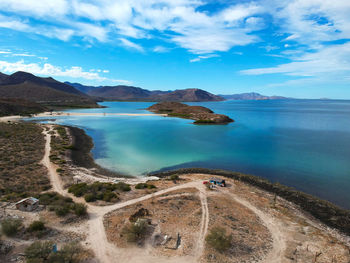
122,187
218,239
10,226
39,252
78,189
70,253
80,209
108,196
174,177
58,170
62,210
144,186
135,231
89,197
36,226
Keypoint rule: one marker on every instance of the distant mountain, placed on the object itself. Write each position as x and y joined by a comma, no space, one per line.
251,96
130,93
45,91
81,87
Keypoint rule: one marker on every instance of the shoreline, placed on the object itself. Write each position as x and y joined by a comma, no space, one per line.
81,154
102,114
325,211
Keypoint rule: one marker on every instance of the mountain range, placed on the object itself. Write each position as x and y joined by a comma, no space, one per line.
45,91
130,93
31,92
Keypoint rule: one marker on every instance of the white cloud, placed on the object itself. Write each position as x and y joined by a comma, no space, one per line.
54,71
178,21
127,43
328,60
161,49
199,58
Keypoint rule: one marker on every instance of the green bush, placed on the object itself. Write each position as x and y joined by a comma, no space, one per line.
78,189
174,177
108,196
89,197
145,186
135,231
42,252
218,239
58,170
36,226
80,209
39,252
62,210
122,187
10,226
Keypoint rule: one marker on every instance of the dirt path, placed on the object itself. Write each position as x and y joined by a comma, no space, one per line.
51,168
275,255
106,252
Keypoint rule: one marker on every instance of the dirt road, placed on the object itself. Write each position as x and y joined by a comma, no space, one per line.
106,252
279,246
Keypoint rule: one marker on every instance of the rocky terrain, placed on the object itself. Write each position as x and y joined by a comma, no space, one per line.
201,115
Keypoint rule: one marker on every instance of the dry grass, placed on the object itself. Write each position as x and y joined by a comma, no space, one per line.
21,150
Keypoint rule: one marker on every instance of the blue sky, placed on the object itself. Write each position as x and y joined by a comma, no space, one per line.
295,48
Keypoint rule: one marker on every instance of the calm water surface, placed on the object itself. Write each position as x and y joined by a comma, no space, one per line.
300,143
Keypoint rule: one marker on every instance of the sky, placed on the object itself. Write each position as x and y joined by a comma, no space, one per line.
293,48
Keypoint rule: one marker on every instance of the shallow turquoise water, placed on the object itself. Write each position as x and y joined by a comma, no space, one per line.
300,143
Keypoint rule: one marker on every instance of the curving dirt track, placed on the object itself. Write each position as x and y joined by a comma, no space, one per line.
106,252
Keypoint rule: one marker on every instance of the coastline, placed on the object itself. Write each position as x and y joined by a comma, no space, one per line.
325,211
81,154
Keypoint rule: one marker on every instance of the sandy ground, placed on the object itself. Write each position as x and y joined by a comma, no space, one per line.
15,118
283,238
56,114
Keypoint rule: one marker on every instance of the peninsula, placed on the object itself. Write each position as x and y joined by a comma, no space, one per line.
200,115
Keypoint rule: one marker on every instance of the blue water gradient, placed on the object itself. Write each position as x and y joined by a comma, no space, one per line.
300,143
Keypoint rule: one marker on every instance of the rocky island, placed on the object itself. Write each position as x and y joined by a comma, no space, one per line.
200,115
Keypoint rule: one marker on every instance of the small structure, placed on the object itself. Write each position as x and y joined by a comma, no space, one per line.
27,204
217,181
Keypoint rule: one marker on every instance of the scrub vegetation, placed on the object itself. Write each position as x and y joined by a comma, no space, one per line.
21,150
107,192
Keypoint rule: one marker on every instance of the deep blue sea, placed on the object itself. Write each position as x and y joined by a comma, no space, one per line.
299,143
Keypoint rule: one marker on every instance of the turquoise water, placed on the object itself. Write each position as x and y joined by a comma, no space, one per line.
300,143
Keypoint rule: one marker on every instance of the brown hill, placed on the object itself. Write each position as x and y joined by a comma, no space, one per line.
46,91
201,115
19,107
130,93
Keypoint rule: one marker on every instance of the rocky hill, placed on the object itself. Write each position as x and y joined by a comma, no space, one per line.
45,91
201,115
130,93
19,107
251,96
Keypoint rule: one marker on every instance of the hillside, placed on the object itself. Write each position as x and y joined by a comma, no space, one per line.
130,93
201,115
45,91
251,96
19,107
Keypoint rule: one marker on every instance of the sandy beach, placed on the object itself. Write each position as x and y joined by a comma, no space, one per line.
60,113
